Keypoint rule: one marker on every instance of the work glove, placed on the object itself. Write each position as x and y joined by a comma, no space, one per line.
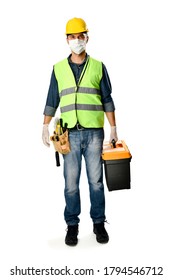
45,135
113,134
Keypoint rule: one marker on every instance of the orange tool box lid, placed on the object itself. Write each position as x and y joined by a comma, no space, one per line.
120,152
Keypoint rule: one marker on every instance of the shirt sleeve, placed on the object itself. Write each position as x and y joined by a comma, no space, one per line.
53,99
106,90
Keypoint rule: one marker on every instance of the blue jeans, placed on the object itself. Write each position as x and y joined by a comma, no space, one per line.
87,143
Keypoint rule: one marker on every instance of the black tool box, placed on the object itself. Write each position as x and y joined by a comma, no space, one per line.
117,166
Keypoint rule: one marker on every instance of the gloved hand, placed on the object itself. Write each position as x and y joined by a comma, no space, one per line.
113,134
45,135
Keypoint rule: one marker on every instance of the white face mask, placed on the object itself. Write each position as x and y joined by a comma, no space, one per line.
77,46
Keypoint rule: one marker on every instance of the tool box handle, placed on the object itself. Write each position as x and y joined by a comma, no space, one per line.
117,144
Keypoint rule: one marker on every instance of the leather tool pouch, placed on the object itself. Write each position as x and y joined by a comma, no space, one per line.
61,143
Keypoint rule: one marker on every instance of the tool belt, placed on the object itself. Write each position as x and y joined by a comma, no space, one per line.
61,142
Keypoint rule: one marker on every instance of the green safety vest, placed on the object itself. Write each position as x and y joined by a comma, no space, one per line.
80,102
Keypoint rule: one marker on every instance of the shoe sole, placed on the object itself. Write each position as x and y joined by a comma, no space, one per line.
71,244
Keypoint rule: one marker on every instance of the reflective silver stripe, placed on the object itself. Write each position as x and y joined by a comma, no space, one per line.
89,107
67,108
88,90
67,91
86,107
80,90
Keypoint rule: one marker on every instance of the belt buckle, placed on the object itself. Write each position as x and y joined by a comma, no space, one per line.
79,127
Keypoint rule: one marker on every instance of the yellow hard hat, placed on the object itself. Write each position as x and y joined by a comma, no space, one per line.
76,25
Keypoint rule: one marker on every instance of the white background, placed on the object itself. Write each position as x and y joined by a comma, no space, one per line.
134,40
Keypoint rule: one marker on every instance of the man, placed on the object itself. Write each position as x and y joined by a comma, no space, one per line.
80,85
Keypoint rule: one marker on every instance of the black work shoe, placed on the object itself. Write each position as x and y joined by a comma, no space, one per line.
71,236
101,233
